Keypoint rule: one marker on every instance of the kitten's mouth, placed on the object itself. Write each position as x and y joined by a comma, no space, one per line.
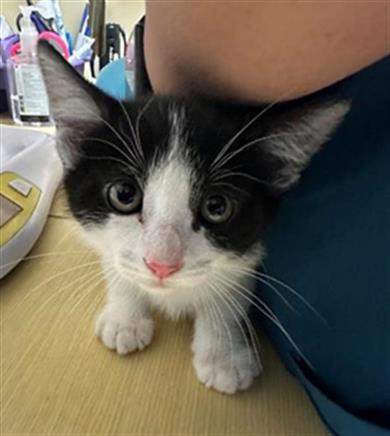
158,287
150,283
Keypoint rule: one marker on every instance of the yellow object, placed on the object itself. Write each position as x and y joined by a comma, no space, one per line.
21,196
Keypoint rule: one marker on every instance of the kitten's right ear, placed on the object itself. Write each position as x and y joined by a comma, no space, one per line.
75,105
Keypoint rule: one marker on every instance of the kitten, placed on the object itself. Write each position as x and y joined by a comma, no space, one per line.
175,194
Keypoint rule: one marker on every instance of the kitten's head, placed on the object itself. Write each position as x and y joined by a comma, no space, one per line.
175,192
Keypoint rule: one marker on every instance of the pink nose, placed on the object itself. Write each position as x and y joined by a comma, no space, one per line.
162,270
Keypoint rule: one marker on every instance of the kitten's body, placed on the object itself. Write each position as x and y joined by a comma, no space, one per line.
174,194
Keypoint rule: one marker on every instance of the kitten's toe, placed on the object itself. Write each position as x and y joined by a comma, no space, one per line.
124,335
227,372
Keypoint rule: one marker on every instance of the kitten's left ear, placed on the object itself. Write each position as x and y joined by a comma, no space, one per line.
75,105
296,135
71,97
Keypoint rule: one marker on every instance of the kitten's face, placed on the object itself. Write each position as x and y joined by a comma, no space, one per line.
177,192
162,201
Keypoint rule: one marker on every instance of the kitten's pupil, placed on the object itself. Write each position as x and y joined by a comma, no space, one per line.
126,193
216,205
217,209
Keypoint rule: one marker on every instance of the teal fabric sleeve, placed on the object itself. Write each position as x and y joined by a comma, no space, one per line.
331,243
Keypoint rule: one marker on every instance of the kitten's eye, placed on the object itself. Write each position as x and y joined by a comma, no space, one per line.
217,209
124,197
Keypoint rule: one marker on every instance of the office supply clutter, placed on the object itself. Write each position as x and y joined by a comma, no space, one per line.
21,85
27,95
96,44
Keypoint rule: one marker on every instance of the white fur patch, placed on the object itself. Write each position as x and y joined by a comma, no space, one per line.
167,193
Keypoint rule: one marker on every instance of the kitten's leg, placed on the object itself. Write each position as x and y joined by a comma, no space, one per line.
222,357
125,323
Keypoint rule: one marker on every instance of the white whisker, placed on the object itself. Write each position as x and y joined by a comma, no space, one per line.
134,165
230,156
223,320
262,280
105,122
138,120
232,305
269,314
248,323
227,174
263,276
49,279
44,255
227,146
91,289
137,144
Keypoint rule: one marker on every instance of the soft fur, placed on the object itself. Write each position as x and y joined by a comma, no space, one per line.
179,152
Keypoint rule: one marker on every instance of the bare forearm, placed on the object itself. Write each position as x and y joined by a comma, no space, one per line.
261,51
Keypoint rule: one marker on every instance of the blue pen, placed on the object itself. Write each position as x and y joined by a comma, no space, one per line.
84,17
38,24
41,24
84,28
69,40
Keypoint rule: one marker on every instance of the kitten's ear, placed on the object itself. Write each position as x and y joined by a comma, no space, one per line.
75,105
296,135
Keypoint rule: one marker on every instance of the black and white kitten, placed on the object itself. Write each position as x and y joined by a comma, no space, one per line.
174,194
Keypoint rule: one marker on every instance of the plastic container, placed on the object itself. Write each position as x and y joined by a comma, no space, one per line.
5,45
30,172
27,94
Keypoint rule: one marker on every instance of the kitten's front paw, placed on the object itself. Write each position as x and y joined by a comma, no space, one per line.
227,372
122,334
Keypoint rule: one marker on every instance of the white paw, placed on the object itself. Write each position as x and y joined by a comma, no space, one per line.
227,372
122,334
